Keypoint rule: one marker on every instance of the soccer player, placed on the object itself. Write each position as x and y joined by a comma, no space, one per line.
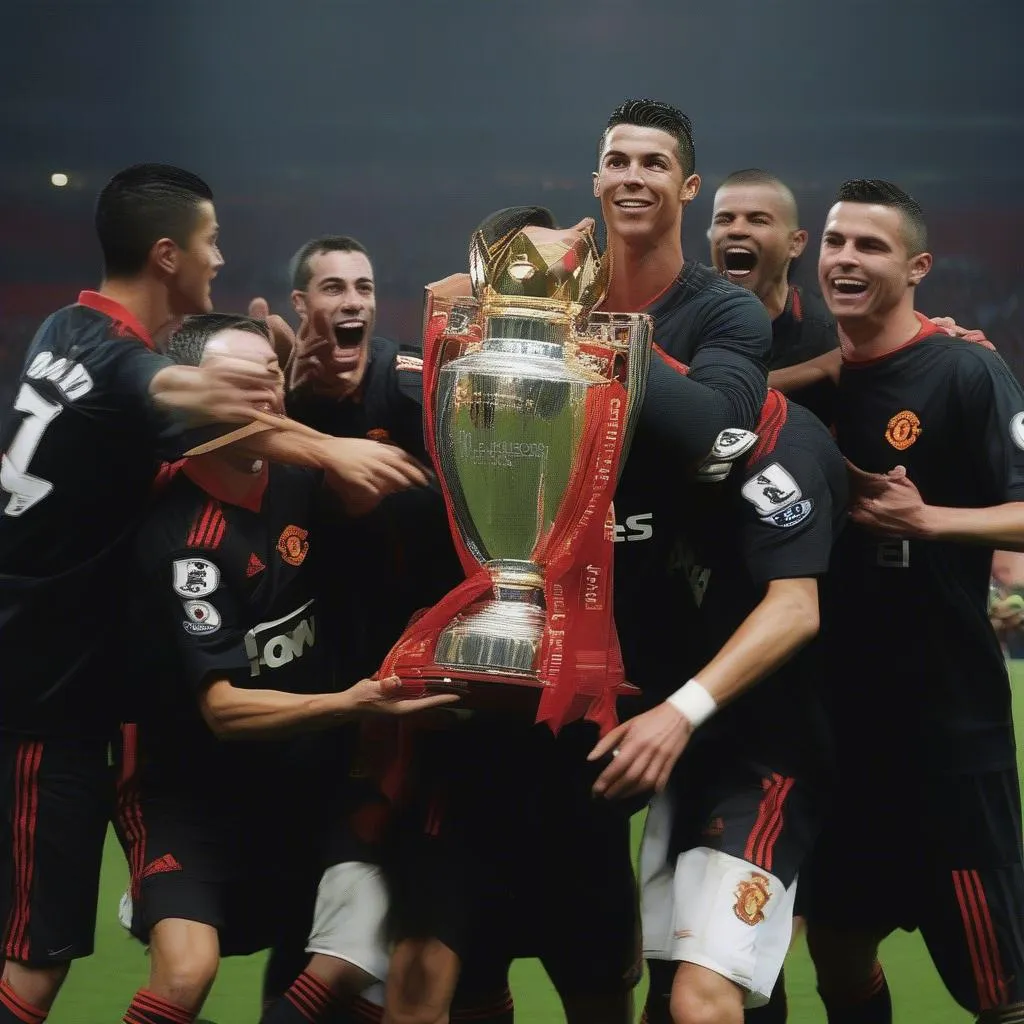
229,554
644,181
726,837
755,235
81,448
527,798
927,831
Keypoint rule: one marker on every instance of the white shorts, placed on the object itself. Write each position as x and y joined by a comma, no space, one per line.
713,909
348,922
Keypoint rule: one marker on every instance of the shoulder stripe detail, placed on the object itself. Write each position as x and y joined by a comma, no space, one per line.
774,413
208,528
671,360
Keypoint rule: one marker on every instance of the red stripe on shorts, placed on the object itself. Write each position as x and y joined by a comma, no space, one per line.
760,848
26,813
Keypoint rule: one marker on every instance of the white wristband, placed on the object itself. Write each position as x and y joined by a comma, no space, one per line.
693,702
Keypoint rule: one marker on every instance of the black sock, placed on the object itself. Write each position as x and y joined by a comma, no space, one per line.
496,1010
775,1010
308,1001
874,1006
147,1008
14,1009
659,994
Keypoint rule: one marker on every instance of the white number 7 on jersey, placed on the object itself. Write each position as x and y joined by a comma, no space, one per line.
26,490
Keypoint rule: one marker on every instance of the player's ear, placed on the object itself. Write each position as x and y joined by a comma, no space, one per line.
164,255
797,243
596,179
299,302
919,267
691,186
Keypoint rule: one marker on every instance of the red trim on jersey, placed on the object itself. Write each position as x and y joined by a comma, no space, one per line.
926,331
165,474
108,307
796,306
10,1000
206,477
671,360
644,305
28,757
773,417
760,848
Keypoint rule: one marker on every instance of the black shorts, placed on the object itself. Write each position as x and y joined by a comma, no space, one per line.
505,853
230,863
746,810
56,795
942,855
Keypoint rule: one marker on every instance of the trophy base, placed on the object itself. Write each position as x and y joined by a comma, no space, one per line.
496,637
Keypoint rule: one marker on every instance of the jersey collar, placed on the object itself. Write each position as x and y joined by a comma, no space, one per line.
203,475
108,307
926,330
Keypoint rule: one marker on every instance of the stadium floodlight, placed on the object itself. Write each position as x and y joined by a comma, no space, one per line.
58,179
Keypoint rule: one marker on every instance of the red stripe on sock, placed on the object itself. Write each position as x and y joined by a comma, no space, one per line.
367,1011
10,1000
146,1002
311,997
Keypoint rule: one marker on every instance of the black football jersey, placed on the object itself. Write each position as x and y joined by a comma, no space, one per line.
804,330
776,516
722,332
81,448
229,591
919,679
401,554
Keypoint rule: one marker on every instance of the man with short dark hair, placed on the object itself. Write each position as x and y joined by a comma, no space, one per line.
927,832
229,556
91,421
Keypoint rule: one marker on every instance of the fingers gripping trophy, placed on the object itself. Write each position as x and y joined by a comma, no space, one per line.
530,401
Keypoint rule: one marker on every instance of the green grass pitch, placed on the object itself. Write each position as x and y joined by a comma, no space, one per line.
100,988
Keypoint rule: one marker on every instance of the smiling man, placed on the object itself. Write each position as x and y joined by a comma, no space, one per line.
929,835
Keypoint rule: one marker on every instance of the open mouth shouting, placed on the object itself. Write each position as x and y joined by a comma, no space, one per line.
739,261
349,335
847,287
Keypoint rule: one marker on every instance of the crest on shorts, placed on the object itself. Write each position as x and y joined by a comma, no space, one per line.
292,545
379,434
752,897
903,430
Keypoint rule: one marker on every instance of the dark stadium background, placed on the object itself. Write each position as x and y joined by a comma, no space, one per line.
403,122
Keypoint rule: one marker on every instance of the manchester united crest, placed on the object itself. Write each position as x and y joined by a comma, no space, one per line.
292,545
903,430
752,897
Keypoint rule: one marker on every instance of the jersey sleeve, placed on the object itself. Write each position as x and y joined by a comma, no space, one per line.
406,398
197,610
726,385
992,408
789,500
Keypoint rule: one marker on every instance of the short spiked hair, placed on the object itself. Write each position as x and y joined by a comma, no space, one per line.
656,114
877,192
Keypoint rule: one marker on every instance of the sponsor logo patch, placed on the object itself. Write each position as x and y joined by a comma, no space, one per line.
200,617
771,490
792,514
752,896
731,443
1017,430
195,577
903,430
292,545
274,644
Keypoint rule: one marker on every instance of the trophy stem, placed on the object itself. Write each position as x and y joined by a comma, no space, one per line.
501,635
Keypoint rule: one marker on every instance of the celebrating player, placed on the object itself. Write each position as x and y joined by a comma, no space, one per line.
928,834
81,449
229,555
755,236
725,842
